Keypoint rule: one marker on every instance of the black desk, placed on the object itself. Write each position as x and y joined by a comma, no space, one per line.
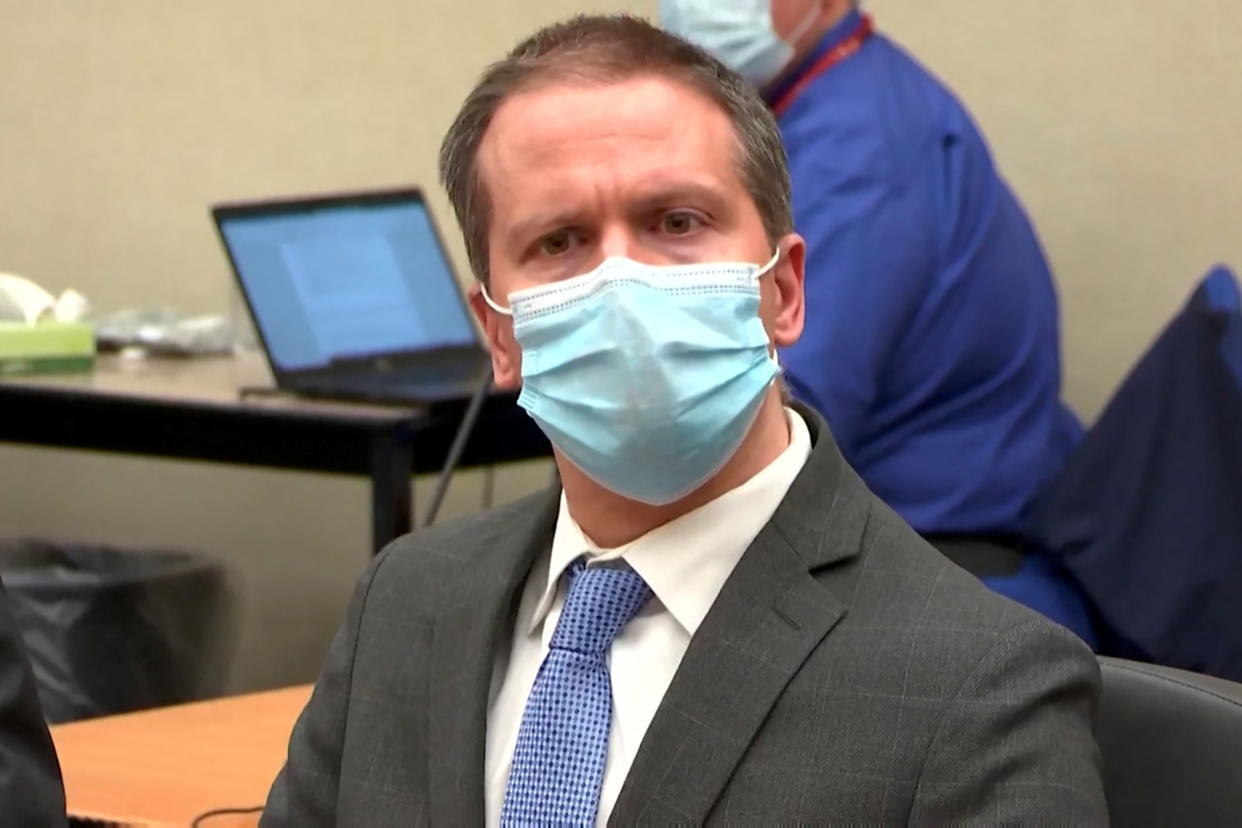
191,409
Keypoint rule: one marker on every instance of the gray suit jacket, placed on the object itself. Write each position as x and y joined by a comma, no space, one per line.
31,792
847,673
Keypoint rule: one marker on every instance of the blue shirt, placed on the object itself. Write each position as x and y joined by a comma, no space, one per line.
931,343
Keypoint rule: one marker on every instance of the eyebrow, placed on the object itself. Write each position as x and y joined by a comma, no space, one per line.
537,223
685,191
663,192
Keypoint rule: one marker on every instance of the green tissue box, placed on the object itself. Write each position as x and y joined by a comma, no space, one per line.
46,347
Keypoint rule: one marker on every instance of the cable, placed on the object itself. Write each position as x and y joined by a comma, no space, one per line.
459,445
489,486
219,812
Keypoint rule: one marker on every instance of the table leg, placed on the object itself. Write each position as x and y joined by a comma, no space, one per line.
392,463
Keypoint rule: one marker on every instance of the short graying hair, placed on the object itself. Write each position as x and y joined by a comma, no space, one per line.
609,49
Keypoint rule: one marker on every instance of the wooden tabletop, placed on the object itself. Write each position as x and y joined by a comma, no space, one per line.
204,381
165,767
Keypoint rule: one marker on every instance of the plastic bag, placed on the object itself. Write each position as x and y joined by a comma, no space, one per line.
110,630
166,332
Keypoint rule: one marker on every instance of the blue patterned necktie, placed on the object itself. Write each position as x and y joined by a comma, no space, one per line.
562,743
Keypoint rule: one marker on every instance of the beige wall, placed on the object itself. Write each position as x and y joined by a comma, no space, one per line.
121,120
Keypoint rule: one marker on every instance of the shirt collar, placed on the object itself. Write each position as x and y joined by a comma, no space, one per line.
687,561
839,32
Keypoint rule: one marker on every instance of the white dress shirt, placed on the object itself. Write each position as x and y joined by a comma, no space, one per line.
686,563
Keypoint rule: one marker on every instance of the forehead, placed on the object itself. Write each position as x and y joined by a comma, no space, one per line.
561,138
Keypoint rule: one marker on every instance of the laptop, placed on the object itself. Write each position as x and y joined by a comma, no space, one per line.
354,297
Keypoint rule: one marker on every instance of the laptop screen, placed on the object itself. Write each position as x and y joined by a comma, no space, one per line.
345,279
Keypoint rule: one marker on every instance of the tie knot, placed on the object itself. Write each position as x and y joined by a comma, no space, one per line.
600,602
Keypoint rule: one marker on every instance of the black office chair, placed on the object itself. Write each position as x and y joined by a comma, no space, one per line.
1172,746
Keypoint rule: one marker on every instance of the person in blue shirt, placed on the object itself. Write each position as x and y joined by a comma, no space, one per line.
932,341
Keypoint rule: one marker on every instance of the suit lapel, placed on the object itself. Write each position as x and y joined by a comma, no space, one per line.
768,618
470,625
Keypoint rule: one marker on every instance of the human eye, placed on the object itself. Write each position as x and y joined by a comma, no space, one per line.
559,242
679,222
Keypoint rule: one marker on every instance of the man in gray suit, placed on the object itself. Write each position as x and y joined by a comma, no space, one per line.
711,619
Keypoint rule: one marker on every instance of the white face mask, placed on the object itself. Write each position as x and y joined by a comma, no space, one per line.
738,33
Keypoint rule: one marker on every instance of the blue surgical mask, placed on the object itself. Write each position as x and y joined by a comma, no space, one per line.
738,33
646,377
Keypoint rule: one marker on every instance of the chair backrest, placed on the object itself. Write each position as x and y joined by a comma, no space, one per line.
1172,746
1145,514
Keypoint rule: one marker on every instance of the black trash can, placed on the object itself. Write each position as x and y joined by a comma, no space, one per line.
111,630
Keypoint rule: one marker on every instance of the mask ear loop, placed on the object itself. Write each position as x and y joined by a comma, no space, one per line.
771,263
491,304
804,25
772,354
